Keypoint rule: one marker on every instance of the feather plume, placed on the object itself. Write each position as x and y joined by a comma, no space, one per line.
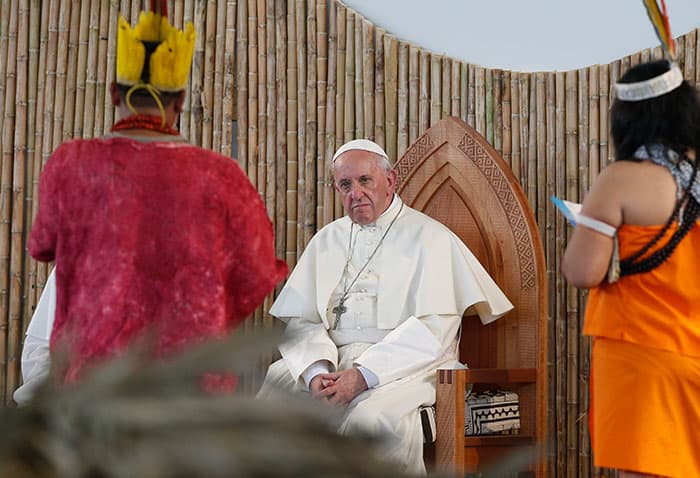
659,19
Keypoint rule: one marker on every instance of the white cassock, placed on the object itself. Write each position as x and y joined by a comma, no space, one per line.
36,359
401,323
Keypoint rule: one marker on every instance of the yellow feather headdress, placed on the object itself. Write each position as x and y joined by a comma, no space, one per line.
154,52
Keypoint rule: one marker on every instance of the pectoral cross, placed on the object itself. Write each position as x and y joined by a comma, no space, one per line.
339,310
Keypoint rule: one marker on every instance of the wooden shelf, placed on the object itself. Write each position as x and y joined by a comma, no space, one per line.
501,375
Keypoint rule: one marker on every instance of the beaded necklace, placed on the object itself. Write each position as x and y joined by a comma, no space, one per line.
148,122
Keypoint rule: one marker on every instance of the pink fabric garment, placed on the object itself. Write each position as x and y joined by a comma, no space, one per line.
157,240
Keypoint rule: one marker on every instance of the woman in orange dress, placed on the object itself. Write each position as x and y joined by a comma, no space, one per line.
645,321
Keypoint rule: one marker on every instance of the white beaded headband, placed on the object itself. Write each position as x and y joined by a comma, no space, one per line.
651,88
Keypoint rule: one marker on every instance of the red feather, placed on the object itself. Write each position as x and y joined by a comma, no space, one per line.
671,43
160,6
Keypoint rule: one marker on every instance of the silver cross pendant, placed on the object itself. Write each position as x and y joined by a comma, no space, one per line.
339,310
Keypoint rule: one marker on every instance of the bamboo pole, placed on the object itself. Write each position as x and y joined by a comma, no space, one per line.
37,118
524,109
553,283
506,119
229,81
413,93
200,115
471,99
479,100
217,101
14,146
572,332
488,105
261,139
136,5
263,110
424,93
33,31
252,101
690,54
341,28
5,8
281,127
49,103
270,162
455,90
463,91
292,134
322,182
186,119
560,297
19,176
177,14
242,84
540,154
435,86
311,126
97,108
360,131
328,196
300,17
71,70
391,95
593,165
8,126
379,89
515,126
349,119
368,78
604,86
108,110
402,95
271,117
533,185
80,118
445,88
93,42
498,111
614,70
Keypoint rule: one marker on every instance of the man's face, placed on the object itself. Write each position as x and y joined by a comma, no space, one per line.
364,185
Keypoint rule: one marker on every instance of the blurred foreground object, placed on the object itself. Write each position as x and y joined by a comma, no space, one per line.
137,418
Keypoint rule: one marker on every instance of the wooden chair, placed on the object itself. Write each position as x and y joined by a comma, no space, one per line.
452,174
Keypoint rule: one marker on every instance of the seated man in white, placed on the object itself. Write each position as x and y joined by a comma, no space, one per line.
373,307
36,358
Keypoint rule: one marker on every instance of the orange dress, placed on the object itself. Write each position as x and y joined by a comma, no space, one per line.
645,378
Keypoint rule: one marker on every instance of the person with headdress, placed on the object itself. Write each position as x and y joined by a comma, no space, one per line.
374,306
644,300
154,240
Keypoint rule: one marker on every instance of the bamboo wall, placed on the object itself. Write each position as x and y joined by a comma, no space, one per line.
285,82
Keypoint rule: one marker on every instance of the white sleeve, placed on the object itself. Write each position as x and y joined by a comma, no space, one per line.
36,363
316,368
412,346
36,359
307,342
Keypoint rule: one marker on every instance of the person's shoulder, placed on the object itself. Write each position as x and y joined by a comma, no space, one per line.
338,226
627,168
418,219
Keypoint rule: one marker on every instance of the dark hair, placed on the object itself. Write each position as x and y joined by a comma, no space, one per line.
142,98
671,120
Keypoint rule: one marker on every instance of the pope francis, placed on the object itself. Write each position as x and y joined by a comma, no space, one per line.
374,306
